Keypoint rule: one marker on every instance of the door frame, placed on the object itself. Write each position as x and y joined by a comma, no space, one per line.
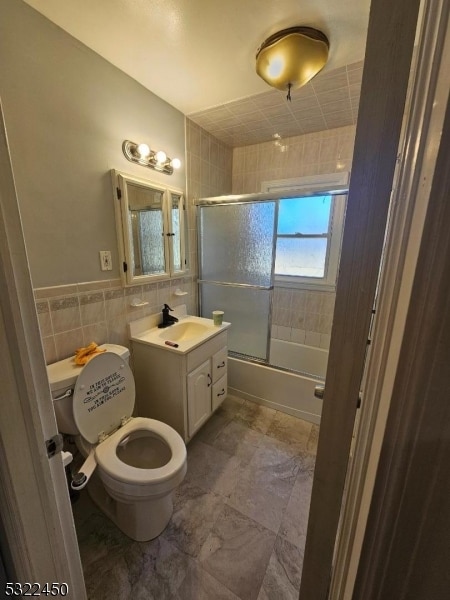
39,542
410,199
391,33
28,391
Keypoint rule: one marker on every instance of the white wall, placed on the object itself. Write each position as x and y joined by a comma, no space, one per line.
67,112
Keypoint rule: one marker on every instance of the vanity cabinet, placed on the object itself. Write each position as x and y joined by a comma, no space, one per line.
182,390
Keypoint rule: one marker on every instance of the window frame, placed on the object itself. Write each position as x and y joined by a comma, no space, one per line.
320,185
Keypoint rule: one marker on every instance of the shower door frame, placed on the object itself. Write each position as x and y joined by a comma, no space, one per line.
237,200
307,191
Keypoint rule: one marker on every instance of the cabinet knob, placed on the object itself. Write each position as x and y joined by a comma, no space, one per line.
209,380
222,393
222,364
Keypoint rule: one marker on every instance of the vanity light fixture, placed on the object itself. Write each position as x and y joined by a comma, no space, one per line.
292,57
143,155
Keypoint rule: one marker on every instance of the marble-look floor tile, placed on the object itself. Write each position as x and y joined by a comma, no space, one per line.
108,579
264,488
295,520
231,405
313,439
238,440
212,428
220,419
195,512
155,570
117,567
212,469
255,416
292,431
200,585
100,540
283,575
237,553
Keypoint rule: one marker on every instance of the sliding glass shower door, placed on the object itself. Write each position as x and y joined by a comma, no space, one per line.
236,270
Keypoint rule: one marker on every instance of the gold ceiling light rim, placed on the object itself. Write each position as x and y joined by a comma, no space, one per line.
292,57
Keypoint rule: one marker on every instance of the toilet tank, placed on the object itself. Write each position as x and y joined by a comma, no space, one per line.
62,376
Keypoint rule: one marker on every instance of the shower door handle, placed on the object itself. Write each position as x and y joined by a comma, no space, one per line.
319,391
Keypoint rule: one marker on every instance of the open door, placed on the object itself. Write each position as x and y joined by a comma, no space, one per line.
391,33
38,541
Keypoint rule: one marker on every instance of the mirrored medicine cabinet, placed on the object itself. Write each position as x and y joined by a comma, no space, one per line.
151,229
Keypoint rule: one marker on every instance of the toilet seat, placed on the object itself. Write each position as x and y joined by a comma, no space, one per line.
103,402
108,461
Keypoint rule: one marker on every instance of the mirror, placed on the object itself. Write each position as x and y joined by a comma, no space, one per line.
151,231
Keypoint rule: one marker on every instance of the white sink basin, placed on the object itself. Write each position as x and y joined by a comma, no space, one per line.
181,337
186,330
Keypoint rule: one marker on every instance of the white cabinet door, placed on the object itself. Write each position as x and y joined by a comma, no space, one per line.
199,396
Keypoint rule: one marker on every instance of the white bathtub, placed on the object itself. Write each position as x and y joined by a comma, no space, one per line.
298,357
292,393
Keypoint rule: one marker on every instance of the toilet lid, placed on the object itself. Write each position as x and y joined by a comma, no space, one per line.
104,393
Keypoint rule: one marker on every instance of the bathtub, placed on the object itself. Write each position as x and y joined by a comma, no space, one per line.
298,357
292,393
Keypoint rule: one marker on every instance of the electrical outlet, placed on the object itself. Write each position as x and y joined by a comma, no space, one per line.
105,260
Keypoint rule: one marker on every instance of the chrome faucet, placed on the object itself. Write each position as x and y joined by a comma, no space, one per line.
167,319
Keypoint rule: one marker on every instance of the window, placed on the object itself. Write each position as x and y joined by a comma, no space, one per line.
303,235
309,231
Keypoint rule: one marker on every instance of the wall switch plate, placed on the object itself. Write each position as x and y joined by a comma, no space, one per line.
105,260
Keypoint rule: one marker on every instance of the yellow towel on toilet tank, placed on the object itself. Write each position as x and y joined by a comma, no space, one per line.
84,355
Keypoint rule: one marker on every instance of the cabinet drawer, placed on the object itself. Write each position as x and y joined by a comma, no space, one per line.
219,392
205,351
219,364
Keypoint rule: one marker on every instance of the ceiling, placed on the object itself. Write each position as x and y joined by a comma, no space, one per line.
199,56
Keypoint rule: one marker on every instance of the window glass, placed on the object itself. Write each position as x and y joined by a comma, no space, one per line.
303,236
301,257
304,215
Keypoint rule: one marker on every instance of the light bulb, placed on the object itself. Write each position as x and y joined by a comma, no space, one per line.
143,150
176,163
161,157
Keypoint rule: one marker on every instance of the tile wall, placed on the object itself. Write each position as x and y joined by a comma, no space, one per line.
299,315
303,316
71,316
209,165
317,153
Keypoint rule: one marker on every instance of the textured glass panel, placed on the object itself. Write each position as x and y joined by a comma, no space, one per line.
176,239
152,241
237,242
247,310
304,257
304,215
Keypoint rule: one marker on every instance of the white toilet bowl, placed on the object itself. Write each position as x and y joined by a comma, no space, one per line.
138,462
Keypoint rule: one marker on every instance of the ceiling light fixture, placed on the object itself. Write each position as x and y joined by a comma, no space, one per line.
292,57
143,155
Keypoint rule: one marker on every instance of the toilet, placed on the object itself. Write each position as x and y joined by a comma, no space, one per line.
132,464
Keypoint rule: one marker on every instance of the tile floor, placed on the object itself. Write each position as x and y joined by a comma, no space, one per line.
239,523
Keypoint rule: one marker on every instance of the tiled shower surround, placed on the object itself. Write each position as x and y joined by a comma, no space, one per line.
329,151
303,316
299,315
